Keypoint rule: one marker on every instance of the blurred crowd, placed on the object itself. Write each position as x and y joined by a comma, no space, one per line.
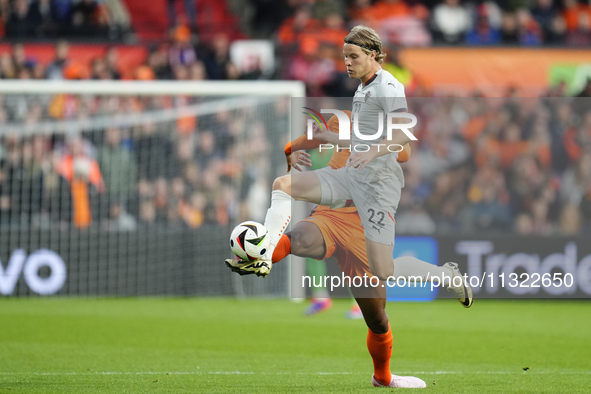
423,23
177,59
310,38
43,19
195,170
499,165
481,165
308,34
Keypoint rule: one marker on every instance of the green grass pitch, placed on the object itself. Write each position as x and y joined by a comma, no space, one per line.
72,345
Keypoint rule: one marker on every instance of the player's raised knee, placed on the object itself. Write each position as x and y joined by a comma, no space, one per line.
283,183
300,242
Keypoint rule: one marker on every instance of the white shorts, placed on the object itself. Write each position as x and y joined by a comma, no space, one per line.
376,201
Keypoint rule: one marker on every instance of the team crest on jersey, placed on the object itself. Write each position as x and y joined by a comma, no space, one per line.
367,95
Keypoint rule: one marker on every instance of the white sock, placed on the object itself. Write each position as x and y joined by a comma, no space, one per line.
277,219
408,266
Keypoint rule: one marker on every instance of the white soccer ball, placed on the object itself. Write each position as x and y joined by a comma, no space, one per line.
249,240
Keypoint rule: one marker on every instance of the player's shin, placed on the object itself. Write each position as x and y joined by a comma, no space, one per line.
282,249
277,219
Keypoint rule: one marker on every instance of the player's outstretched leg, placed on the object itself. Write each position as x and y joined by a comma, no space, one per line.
380,341
302,187
412,268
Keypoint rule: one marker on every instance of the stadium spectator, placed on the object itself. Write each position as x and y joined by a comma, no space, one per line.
161,194
524,224
181,51
99,69
197,71
89,18
190,12
84,177
147,213
509,29
12,181
451,21
192,211
415,220
585,207
119,219
394,66
528,30
157,65
206,149
154,153
385,9
321,9
329,33
218,57
20,58
483,33
55,70
23,21
181,73
47,26
111,62
572,12
541,222
361,11
8,69
486,212
581,35
405,30
576,180
570,220
118,167
288,34
61,11
545,13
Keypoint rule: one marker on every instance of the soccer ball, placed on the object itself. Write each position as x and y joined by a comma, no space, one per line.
249,240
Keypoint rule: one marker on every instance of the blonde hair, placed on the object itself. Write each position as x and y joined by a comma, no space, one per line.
368,40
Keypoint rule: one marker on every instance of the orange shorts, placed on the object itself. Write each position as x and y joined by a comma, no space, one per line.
344,239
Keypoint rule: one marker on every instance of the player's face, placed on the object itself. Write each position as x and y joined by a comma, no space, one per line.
358,63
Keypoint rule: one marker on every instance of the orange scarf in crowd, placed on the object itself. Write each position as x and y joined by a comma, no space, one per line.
82,215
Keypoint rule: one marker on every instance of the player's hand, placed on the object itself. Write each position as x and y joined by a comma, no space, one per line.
300,158
360,159
320,133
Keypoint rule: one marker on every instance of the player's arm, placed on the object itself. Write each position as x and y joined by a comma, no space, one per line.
404,154
293,150
295,155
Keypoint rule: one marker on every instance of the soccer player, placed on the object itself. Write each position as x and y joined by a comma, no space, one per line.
373,181
337,233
